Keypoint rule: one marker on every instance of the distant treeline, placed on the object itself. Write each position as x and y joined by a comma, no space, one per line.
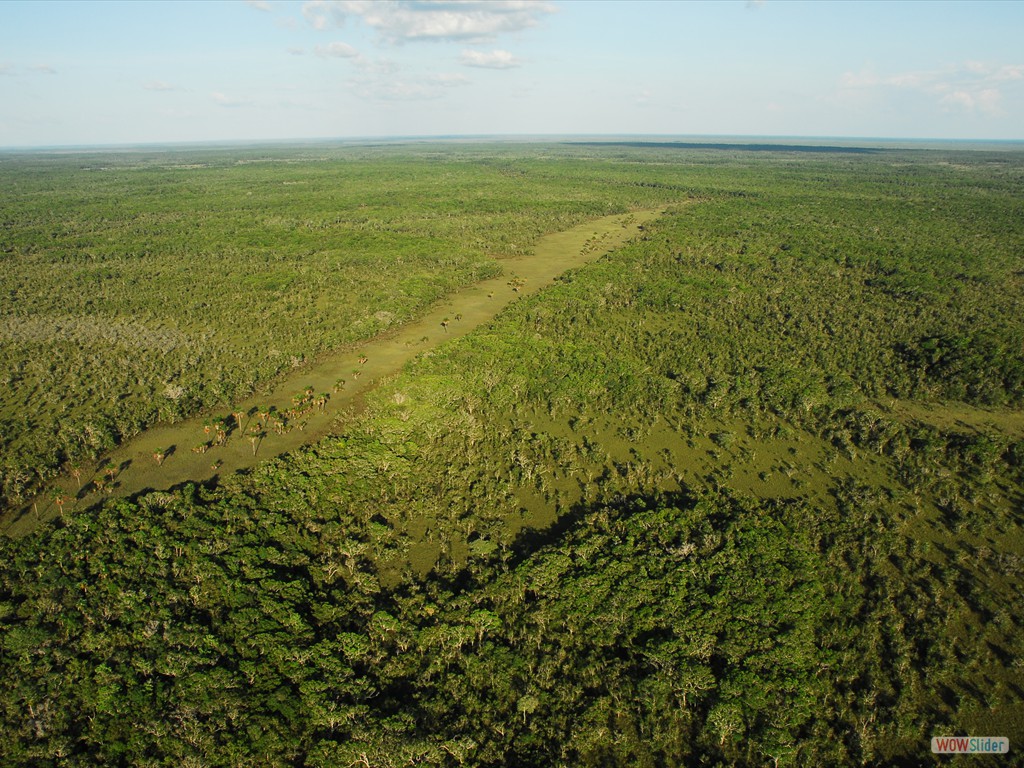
781,147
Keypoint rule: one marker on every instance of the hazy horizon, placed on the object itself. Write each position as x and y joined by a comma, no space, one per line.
724,140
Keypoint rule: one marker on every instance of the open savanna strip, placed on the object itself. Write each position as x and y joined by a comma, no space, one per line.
187,451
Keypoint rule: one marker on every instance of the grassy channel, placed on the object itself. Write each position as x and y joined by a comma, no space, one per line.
149,287
304,406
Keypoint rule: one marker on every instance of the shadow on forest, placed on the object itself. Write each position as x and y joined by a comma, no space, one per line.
209,484
529,541
739,147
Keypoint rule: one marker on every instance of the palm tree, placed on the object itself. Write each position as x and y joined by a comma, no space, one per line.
256,435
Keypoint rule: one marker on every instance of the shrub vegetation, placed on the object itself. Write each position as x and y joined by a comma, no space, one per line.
747,491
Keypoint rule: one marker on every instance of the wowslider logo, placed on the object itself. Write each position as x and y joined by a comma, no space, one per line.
970,745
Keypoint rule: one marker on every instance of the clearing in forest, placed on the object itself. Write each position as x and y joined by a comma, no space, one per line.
302,407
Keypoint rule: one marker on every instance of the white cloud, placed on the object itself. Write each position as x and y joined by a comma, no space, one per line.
911,80
970,87
397,90
449,80
402,20
406,89
337,50
319,12
986,101
297,51
960,99
870,79
6,68
1009,72
862,79
44,69
496,59
228,101
259,5
378,66
995,74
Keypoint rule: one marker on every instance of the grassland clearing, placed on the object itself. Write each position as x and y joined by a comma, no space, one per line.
384,356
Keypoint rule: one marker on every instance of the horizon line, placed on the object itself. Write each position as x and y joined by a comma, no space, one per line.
474,137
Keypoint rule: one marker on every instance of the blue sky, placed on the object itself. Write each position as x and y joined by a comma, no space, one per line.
129,72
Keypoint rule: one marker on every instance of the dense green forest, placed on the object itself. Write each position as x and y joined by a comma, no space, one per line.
746,491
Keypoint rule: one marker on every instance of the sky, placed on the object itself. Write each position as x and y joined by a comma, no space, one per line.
101,73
